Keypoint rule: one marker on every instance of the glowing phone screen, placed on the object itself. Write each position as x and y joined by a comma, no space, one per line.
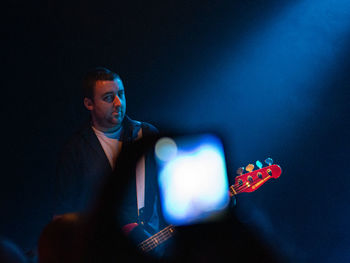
192,178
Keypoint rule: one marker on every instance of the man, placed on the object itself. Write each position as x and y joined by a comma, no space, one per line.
90,155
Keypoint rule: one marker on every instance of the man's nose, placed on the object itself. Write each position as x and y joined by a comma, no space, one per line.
116,101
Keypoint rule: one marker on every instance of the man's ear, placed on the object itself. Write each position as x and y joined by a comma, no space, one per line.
88,103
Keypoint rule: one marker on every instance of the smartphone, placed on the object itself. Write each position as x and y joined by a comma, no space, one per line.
192,178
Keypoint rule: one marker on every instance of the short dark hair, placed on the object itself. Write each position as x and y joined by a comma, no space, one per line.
98,73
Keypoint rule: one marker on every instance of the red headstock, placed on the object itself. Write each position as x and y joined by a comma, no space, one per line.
249,182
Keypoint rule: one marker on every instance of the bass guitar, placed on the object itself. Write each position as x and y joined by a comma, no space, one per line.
244,183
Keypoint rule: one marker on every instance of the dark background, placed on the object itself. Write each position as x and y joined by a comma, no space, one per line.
169,55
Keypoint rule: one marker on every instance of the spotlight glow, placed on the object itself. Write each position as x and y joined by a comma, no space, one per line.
165,149
194,183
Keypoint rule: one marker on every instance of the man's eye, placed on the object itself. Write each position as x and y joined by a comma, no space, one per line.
108,98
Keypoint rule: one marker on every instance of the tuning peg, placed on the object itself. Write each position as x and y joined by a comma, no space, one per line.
269,161
250,167
259,164
240,170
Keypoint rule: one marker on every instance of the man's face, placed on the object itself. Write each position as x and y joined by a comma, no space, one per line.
108,105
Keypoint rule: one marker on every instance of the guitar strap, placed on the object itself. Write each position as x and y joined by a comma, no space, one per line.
140,180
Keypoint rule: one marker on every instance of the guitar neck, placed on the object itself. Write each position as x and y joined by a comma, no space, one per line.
234,190
157,239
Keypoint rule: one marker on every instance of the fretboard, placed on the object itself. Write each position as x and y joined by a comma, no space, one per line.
157,239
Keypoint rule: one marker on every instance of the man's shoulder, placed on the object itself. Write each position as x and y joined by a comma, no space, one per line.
79,136
147,128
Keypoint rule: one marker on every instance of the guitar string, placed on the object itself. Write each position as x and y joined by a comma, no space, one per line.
239,188
160,236
244,186
149,245
152,243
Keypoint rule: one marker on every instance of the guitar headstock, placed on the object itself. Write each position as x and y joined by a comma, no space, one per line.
253,179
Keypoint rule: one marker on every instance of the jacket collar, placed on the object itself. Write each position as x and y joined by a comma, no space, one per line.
91,139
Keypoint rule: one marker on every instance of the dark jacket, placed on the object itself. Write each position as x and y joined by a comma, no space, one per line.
83,168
